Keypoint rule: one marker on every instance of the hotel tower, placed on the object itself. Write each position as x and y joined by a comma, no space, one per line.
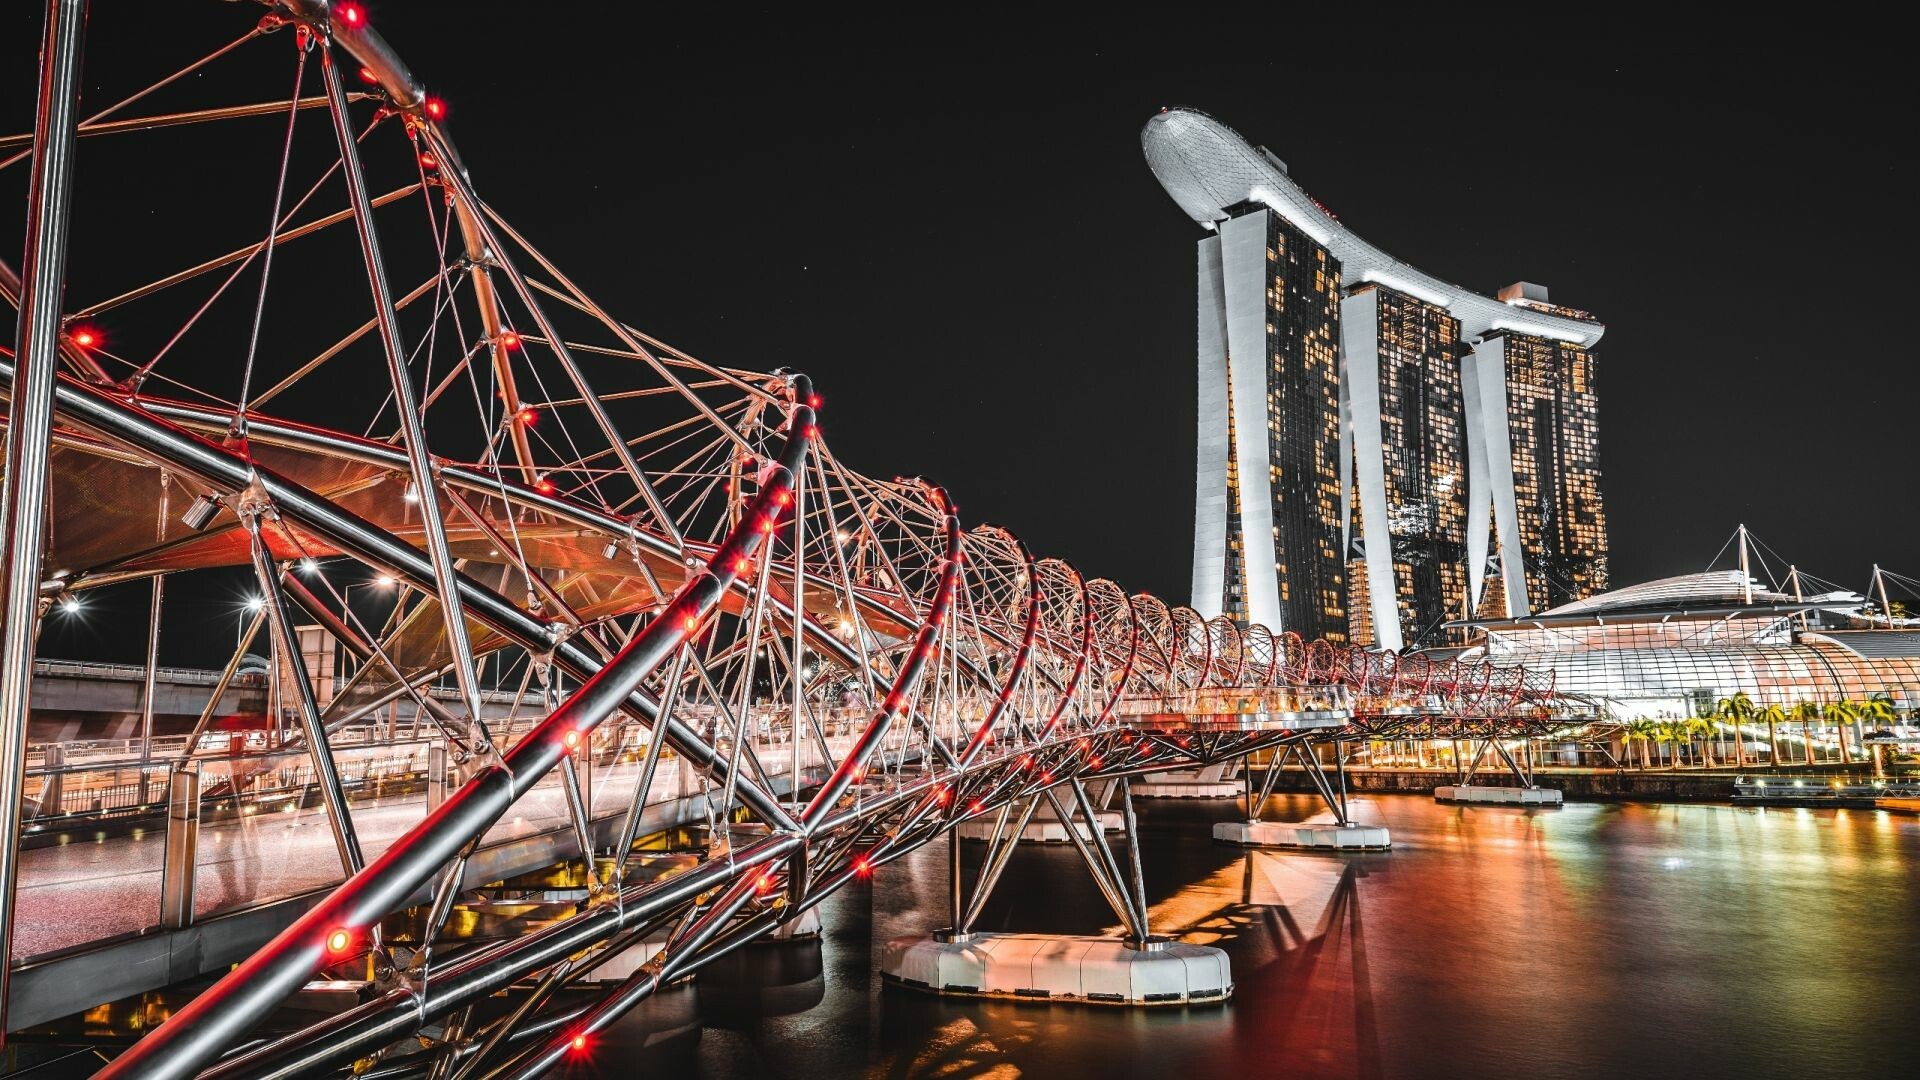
1380,451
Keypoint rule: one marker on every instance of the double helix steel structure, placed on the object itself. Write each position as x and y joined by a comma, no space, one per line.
369,367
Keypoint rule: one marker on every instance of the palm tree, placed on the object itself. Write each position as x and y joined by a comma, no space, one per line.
1701,730
1877,710
1806,713
1667,732
1773,714
1642,732
1840,714
1738,710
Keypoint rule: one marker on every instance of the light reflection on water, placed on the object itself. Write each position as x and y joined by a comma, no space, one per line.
1596,940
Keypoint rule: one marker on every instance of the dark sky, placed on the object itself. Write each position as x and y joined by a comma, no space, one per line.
949,224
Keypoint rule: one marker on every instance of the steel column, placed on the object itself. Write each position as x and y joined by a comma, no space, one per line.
325,772
23,501
183,843
419,462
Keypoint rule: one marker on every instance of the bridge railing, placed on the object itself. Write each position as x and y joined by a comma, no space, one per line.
1275,701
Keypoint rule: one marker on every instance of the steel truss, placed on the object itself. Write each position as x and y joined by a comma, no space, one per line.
557,495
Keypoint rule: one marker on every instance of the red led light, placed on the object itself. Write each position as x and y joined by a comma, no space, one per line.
783,497
742,564
862,867
766,524
1096,762
85,337
974,807
527,416
339,940
573,739
813,401
579,1042
436,108
367,76
1046,777
691,623
509,340
352,15
813,431
543,485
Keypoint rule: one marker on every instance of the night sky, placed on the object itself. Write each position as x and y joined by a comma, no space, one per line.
950,226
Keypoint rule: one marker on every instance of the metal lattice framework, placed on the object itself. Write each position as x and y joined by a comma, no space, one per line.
837,657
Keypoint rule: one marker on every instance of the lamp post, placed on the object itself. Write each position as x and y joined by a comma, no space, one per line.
383,583
247,611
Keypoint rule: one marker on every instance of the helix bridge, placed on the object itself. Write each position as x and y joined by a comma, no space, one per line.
361,365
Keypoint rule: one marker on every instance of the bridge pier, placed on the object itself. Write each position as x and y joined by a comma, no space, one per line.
1340,833
1528,793
1046,826
1215,781
1139,968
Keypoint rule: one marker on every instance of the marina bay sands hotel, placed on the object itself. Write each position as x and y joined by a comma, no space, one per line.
1381,451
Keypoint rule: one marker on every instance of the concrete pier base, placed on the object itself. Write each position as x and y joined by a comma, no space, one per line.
1315,836
1212,782
1056,967
624,963
1040,831
804,928
1497,796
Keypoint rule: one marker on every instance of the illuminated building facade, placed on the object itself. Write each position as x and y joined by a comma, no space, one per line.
1269,479
1675,647
1406,468
1430,452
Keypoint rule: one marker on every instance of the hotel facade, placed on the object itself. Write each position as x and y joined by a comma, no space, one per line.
1380,452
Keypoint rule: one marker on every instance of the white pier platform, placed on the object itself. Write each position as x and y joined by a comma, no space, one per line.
1303,835
1498,796
804,928
1212,782
1041,830
1055,967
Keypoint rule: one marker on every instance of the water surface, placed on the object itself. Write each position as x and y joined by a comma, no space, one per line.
1594,940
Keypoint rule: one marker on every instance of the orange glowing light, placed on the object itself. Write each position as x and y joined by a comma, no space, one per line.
367,76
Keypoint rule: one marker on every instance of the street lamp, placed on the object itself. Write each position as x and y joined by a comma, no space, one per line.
252,607
382,583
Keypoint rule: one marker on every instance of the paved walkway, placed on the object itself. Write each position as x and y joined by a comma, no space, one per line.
80,892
